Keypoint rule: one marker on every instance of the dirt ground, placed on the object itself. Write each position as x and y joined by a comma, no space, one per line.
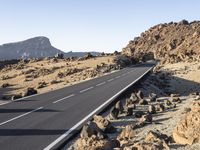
55,74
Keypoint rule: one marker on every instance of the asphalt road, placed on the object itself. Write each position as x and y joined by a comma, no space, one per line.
42,121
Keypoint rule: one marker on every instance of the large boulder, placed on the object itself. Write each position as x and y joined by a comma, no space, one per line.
91,129
104,124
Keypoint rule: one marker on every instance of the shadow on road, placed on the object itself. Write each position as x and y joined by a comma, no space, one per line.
4,110
30,132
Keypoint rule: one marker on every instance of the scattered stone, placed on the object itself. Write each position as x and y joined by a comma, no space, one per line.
5,77
143,145
119,106
139,114
94,143
130,104
30,91
140,95
114,112
153,136
152,109
143,102
41,84
160,107
5,85
127,133
17,96
145,119
59,56
55,81
175,99
152,97
129,111
103,124
91,129
134,98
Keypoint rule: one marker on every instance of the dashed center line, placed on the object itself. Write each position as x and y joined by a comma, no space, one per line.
117,77
86,89
63,98
110,80
100,83
20,116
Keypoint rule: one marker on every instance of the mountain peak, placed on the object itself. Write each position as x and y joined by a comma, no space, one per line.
34,47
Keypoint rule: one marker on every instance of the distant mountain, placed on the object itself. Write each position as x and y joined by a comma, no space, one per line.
37,47
79,54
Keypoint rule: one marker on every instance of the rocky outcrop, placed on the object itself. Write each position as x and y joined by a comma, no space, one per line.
187,130
36,47
170,42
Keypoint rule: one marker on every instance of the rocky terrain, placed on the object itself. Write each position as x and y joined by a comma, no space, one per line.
152,117
169,42
162,112
19,78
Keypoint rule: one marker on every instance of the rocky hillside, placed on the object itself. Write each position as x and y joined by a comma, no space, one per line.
170,42
35,47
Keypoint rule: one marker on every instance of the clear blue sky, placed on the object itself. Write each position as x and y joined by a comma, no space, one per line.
89,25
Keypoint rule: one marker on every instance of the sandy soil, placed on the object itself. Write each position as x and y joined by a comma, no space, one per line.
185,77
24,75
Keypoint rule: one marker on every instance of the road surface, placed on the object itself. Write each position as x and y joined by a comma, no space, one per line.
43,121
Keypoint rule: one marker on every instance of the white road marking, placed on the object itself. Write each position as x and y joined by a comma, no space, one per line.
101,83
63,98
117,77
110,80
51,145
4,103
86,89
20,116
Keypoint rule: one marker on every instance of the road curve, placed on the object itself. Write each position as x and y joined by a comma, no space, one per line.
42,121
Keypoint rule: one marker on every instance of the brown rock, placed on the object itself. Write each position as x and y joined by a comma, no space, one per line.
139,114
160,107
30,91
187,130
91,129
142,145
104,124
140,95
114,112
127,133
154,136
143,102
145,119
152,109
119,106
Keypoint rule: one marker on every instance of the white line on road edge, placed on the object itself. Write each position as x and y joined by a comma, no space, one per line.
101,83
86,89
63,98
20,116
110,80
50,146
